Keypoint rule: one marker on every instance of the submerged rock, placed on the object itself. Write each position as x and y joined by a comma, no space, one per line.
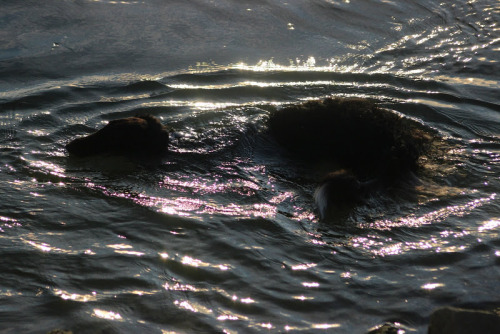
144,135
453,320
386,329
60,331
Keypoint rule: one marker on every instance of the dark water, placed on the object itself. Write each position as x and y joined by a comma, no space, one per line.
222,235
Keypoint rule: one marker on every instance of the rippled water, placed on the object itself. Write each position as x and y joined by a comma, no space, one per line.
222,235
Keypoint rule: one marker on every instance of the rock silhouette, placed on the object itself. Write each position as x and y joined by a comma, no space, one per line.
369,145
143,135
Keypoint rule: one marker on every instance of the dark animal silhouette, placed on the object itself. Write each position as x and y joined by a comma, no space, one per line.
141,135
371,146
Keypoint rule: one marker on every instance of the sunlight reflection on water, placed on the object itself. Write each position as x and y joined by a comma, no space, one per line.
75,296
206,238
194,206
108,315
431,217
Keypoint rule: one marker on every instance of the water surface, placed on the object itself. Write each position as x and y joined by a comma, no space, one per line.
222,235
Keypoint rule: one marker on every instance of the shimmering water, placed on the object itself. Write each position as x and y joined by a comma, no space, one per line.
222,235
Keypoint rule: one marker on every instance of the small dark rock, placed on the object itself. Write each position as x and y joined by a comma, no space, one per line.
60,331
453,320
386,329
143,135
339,191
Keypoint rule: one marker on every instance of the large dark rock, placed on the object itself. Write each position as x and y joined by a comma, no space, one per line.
143,135
365,146
453,320
355,133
